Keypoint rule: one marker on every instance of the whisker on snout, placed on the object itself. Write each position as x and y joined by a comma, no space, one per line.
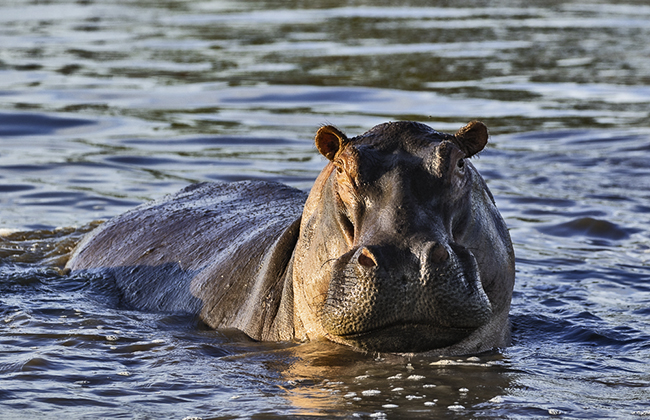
328,261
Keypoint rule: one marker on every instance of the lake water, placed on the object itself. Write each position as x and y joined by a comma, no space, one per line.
104,106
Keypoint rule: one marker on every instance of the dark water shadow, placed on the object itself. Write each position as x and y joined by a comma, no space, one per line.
16,125
590,227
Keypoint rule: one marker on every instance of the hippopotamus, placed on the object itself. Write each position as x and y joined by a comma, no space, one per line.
398,248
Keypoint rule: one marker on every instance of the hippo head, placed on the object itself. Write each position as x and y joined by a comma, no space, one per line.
401,247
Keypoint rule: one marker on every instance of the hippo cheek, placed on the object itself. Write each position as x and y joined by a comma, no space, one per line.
432,305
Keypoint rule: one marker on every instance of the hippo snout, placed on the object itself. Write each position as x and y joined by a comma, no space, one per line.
381,297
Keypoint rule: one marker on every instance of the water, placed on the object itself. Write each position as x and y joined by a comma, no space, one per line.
104,106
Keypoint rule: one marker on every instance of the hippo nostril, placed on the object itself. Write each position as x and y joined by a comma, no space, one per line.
438,254
366,258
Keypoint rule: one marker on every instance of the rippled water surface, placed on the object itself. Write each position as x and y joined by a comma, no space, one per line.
104,105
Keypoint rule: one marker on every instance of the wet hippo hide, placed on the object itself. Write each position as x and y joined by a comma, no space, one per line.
399,247
219,250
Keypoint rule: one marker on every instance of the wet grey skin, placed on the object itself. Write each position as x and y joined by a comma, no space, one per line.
399,247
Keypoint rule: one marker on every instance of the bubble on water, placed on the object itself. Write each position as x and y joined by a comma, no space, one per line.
362,377
397,389
463,390
456,407
555,412
370,392
235,397
157,341
378,415
414,397
398,376
474,359
192,418
124,373
641,413
429,386
429,403
111,338
350,395
390,406
415,378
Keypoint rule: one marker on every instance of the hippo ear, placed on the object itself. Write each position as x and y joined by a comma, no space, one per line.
472,138
329,140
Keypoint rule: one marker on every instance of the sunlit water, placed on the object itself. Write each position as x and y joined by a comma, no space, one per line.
104,106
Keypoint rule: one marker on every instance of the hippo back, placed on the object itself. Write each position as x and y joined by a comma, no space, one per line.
220,250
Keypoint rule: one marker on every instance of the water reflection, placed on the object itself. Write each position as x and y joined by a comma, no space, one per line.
587,64
325,379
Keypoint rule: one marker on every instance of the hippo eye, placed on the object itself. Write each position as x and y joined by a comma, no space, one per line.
461,163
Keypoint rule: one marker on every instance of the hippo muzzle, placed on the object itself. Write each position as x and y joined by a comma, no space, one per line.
384,298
